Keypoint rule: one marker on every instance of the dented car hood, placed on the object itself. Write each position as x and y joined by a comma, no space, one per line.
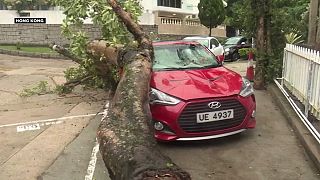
197,83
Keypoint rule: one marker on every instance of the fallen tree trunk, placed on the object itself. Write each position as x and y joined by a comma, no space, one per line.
125,135
126,142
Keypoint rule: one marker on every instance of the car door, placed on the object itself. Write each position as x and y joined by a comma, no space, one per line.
215,47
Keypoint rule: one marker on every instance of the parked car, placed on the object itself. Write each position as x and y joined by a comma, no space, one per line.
211,43
232,46
193,97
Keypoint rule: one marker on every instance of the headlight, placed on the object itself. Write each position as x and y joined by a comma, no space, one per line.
158,97
246,89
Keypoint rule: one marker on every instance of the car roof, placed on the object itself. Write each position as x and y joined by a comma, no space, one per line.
159,43
199,37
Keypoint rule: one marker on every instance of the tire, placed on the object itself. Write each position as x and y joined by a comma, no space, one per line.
235,56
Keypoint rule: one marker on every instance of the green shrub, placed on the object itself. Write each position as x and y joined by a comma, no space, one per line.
245,51
41,88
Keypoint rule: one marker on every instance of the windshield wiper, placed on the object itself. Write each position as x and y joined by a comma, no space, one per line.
168,69
212,66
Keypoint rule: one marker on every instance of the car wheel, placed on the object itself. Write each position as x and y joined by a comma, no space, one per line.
235,56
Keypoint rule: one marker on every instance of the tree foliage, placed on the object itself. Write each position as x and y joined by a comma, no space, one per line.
211,13
293,38
281,17
113,31
20,5
286,16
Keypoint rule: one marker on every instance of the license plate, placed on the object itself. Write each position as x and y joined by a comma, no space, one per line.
214,116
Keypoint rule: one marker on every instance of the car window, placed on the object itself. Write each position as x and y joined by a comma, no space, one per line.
203,42
233,40
214,42
243,40
182,56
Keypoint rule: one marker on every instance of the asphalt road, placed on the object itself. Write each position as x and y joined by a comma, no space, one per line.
64,150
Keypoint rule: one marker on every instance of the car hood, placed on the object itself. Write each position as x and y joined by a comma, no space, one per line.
197,84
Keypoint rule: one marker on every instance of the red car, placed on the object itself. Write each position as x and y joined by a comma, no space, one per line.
193,97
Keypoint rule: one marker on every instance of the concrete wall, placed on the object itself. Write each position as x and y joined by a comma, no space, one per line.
190,30
176,26
44,34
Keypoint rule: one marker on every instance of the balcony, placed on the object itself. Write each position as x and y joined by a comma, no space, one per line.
177,26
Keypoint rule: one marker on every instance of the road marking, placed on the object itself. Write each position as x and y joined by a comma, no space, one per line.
30,127
93,159
34,127
50,120
92,162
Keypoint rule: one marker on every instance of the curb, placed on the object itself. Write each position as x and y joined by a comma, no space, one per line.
30,54
310,145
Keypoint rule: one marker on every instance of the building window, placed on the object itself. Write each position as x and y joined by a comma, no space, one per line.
170,3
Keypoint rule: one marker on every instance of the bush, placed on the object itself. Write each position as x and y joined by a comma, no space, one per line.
245,51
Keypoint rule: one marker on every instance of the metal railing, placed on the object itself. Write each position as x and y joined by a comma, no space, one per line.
301,75
300,114
175,21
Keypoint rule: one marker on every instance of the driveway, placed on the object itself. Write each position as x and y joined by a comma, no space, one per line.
64,148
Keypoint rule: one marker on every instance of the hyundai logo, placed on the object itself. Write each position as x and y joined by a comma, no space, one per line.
214,105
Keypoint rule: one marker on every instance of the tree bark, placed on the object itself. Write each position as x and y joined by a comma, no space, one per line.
259,80
318,28
313,15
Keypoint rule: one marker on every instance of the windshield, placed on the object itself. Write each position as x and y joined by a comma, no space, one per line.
203,42
233,40
183,56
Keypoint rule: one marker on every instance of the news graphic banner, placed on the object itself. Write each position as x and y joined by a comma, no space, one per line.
30,20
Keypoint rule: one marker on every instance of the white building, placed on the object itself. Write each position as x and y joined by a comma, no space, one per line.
177,17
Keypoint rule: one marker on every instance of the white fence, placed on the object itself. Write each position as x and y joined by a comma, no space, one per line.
301,75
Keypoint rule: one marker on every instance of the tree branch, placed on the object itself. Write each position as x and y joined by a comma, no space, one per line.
102,49
142,38
74,83
65,52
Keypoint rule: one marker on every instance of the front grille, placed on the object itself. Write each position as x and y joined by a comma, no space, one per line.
188,117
